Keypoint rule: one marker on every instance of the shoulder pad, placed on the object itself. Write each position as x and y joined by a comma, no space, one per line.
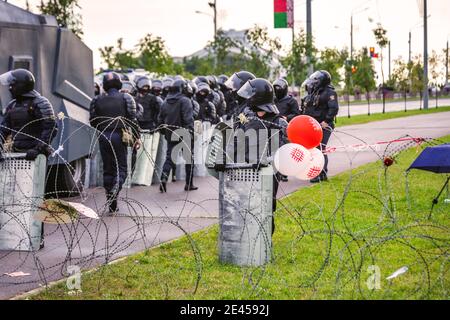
128,97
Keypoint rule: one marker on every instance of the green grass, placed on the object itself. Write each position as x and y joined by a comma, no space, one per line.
361,119
327,238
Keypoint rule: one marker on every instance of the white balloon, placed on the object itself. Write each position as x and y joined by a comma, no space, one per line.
314,167
291,159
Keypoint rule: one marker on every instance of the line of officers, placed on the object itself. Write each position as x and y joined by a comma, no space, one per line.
123,108
119,112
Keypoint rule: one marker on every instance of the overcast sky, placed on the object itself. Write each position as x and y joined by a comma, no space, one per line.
186,32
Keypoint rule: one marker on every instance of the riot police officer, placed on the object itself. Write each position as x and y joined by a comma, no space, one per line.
113,114
322,104
234,84
177,113
97,88
190,92
221,104
259,95
29,118
286,104
207,112
150,104
166,84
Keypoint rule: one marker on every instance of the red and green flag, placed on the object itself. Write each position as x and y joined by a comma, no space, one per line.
284,13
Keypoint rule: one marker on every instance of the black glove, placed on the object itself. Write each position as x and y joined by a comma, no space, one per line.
2,158
32,154
219,167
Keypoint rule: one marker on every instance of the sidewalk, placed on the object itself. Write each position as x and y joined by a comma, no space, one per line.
148,218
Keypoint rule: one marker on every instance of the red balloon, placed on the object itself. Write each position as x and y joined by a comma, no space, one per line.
306,131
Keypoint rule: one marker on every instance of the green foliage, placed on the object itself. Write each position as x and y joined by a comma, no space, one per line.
332,60
416,76
65,12
262,51
364,77
401,75
149,54
382,40
295,61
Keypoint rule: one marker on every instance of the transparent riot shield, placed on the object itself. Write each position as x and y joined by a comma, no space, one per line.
245,215
22,187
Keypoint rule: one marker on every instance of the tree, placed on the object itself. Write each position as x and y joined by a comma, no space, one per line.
416,77
332,60
382,41
65,12
117,57
295,61
260,54
401,77
153,56
219,54
364,75
149,54
436,69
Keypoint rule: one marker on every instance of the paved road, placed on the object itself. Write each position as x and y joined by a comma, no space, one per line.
391,106
150,218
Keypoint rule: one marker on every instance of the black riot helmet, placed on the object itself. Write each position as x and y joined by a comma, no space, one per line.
157,86
260,95
178,86
201,79
143,84
281,88
203,89
238,79
318,80
20,82
213,82
189,91
221,82
112,80
128,87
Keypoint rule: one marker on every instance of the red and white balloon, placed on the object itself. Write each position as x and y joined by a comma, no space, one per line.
314,167
292,159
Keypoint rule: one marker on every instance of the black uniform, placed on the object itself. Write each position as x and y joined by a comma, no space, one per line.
207,111
110,113
323,106
151,106
288,107
176,113
269,122
30,120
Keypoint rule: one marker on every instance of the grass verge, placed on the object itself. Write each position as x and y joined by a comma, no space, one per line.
332,240
361,119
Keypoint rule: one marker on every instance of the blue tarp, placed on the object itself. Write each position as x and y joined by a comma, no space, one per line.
434,159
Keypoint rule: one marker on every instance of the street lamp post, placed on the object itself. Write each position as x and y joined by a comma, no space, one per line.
309,35
354,12
446,63
425,54
213,5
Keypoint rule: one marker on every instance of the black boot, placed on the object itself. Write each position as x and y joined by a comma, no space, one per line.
321,178
163,186
112,202
190,188
174,174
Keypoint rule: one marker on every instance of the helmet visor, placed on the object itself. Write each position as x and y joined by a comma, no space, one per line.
144,82
7,78
247,91
234,83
